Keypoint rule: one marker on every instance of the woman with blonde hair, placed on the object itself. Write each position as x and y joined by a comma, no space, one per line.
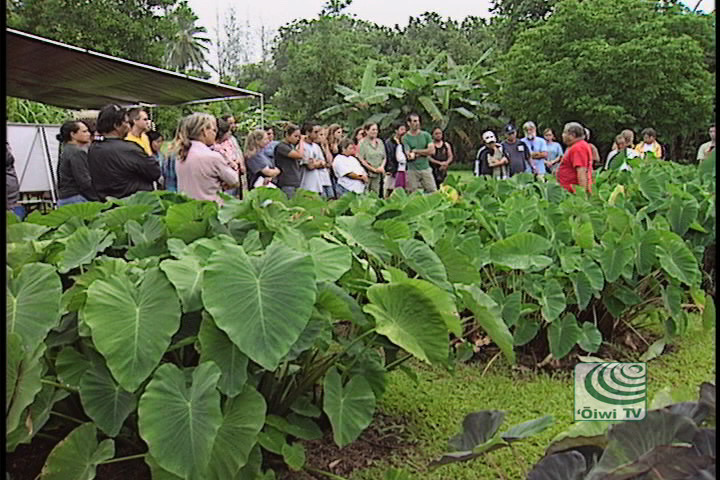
261,167
201,172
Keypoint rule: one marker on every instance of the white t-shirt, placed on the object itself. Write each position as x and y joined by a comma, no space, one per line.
312,179
342,165
401,158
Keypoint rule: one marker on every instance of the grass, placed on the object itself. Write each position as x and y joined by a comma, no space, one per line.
436,405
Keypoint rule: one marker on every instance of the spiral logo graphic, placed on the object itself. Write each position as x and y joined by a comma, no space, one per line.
617,383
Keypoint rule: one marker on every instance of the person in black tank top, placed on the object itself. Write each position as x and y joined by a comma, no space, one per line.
443,156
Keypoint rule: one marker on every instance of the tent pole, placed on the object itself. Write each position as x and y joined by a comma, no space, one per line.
48,168
262,111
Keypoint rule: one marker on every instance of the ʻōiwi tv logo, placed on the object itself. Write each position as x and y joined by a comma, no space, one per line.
610,391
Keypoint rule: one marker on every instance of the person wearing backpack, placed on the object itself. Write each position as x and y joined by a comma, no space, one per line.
491,159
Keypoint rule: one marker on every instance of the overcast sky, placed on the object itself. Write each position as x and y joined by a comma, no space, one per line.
274,13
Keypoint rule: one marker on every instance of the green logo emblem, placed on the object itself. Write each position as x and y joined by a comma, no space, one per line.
610,391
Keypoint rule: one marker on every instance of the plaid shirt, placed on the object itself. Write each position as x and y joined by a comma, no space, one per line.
167,167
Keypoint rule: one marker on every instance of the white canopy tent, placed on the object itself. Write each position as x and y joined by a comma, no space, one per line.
66,76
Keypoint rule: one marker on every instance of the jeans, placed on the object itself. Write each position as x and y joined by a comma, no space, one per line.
341,190
289,191
19,210
328,191
71,200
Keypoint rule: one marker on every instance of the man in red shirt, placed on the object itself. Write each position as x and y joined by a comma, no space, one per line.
576,165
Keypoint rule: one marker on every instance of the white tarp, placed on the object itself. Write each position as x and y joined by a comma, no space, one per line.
35,148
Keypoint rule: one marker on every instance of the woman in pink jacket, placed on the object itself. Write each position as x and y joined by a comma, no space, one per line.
201,172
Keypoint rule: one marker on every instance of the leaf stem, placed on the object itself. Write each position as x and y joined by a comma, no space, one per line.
398,362
59,385
66,417
123,459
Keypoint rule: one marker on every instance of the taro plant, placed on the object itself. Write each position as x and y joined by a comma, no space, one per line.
204,336
673,441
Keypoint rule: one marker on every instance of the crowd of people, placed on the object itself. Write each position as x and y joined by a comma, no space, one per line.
119,154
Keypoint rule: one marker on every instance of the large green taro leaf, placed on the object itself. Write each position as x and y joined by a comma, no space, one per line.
552,300
350,408
70,366
569,465
614,257
35,417
216,346
33,302
677,259
180,422
24,232
131,324
186,276
563,334
521,251
24,371
410,319
358,230
443,300
424,261
261,303
645,257
590,338
104,400
683,212
488,314
460,268
331,260
83,246
83,211
78,455
243,418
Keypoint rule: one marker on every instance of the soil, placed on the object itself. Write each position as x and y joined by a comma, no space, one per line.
628,347
385,436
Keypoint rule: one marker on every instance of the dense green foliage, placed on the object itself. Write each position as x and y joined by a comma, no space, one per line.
157,307
613,65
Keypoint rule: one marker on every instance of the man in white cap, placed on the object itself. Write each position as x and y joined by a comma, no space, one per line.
538,150
491,159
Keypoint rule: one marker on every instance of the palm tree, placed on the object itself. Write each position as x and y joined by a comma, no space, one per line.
186,49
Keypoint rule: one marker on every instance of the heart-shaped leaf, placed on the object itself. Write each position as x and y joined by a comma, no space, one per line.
180,422
552,300
77,456
677,259
33,302
215,346
331,261
243,418
563,334
521,251
275,294
488,315
25,370
410,319
590,338
186,275
350,408
132,325
418,256
104,400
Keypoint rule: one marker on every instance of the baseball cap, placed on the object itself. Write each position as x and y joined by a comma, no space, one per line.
509,128
489,137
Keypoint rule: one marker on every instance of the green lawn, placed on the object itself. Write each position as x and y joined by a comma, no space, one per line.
436,405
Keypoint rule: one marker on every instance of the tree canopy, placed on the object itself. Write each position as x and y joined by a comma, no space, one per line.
613,64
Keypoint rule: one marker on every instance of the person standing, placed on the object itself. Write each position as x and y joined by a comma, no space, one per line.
313,160
442,158
617,159
419,147
706,148
12,185
325,176
225,146
595,154
491,159
139,126
287,155
538,150
261,167
201,172
74,182
555,151
649,144
371,154
238,153
396,160
516,151
351,175
119,168
576,166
